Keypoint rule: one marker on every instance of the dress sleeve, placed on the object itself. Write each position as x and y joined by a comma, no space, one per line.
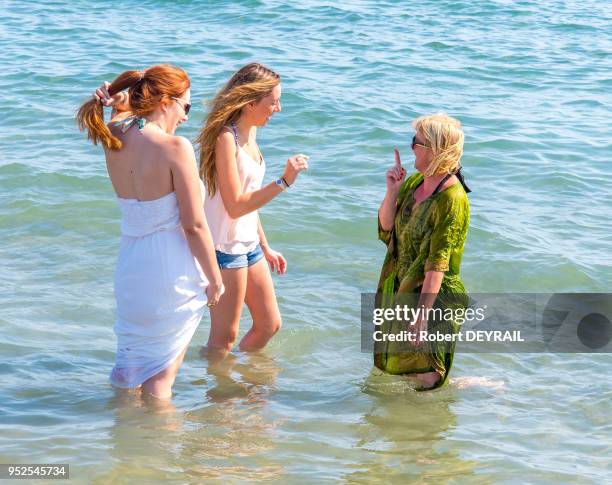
446,235
385,236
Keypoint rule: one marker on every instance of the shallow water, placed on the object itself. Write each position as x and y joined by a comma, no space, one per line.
530,83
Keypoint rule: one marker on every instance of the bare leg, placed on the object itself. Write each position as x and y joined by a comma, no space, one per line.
128,397
225,315
160,385
214,356
261,300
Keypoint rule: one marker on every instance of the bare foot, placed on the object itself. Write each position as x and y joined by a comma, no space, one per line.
427,380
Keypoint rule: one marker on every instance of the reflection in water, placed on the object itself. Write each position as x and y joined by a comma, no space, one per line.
153,441
405,434
243,375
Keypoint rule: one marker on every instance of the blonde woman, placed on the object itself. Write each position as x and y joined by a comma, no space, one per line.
424,222
166,270
232,168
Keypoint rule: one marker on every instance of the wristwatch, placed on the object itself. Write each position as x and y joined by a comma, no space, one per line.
281,183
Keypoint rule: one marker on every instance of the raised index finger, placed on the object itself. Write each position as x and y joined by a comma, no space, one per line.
397,157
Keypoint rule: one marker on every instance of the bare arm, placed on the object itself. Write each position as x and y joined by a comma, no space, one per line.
395,178
430,288
429,293
235,201
187,187
262,236
121,102
386,212
275,259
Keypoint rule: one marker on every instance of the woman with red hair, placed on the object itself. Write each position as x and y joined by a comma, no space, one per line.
166,270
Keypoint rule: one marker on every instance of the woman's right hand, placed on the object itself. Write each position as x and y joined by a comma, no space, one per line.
294,166
395,175
214,292
118,100
101,94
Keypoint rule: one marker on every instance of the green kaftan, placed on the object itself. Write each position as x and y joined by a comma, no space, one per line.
428,238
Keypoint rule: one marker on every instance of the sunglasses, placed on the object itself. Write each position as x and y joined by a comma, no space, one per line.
186,106
414,143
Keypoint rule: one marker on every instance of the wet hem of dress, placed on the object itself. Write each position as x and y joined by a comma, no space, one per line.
148,375
441,382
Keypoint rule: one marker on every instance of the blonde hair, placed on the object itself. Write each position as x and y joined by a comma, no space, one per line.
249,84
147,90
445,137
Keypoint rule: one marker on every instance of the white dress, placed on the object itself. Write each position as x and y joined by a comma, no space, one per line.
159,290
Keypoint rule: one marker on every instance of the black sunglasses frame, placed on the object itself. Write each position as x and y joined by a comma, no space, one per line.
186,106
414,143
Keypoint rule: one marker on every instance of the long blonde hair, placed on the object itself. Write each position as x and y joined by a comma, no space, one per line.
445,137
249,84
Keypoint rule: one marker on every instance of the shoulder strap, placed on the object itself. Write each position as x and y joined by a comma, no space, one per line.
459,176
462,181
448,175
128,122
235,131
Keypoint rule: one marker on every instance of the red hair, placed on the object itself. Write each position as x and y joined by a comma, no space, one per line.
147,90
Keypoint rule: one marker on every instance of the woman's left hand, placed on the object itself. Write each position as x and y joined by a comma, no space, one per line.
419,326
276,260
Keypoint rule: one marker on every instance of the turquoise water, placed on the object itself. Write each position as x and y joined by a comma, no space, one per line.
530,82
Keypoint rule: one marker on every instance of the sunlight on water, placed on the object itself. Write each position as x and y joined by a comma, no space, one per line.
530,83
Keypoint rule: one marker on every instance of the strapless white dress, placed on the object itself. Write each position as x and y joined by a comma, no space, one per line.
159,290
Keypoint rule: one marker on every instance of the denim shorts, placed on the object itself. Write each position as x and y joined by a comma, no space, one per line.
233,261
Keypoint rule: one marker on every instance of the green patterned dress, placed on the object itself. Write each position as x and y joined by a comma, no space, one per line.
428,238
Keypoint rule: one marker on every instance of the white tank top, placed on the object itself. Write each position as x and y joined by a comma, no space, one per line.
236,236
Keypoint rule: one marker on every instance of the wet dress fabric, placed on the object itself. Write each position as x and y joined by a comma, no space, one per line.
428,237
159,288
